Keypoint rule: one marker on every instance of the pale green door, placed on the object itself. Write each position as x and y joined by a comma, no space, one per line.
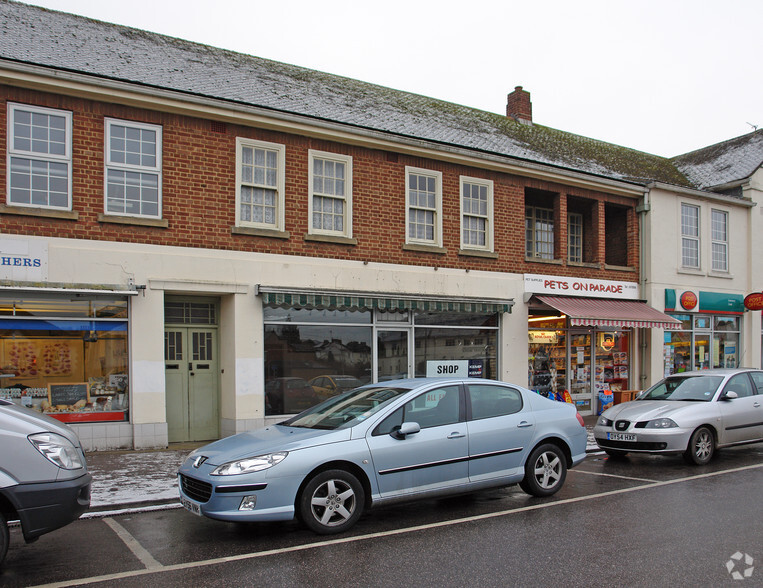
192,383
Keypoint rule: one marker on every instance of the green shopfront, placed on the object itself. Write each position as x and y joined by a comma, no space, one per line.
710,333
317,343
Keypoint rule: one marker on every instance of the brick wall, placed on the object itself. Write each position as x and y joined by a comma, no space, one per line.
198,196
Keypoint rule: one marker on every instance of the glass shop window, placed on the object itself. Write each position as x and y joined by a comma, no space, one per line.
66,358
323,356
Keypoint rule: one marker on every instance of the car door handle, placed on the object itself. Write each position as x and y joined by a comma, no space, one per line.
756,404
524,424
456,435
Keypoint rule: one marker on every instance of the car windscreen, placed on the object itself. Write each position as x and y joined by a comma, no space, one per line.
346,410
687,388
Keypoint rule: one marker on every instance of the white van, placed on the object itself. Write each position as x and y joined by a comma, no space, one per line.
44,482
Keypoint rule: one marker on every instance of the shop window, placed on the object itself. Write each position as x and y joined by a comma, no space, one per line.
704,342
64,358
612,352
39,157
314,353
447,344
547,365
301,358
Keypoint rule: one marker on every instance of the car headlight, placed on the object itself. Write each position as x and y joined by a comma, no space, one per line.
661,424
250,464
58,450
604,421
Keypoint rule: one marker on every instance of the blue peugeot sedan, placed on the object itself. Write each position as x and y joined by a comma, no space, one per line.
385,442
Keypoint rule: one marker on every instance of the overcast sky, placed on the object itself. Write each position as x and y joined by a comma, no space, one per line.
662,76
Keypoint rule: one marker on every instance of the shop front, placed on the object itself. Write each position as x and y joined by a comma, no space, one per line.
64,353
318,344
709,332
582,335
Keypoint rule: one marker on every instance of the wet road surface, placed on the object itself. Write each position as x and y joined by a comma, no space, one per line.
639,521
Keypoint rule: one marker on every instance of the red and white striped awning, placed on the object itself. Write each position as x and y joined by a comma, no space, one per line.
600,312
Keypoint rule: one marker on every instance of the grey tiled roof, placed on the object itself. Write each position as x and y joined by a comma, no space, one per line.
723,163
58,40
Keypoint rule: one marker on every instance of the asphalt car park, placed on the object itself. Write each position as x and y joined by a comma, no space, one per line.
617,521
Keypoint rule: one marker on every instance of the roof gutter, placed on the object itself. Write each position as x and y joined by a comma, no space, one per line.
134,94
702,194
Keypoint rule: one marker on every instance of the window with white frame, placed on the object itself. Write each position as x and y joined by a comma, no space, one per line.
539,232
133,169
720,240
424,206
260,184
330,204
476,214
39,160
689,236
575,237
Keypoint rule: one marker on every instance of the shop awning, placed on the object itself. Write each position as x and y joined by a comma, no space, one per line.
599,312
320,299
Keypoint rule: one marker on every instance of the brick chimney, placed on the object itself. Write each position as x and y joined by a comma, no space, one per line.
519,106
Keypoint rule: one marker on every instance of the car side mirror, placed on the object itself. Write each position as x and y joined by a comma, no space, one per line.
407,428
730,395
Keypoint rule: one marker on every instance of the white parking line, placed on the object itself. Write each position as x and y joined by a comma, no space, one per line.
577,471
296,548
132,543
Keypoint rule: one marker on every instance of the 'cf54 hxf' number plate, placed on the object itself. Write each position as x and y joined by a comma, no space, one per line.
621,436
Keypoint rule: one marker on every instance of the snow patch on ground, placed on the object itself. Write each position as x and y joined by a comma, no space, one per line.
121,478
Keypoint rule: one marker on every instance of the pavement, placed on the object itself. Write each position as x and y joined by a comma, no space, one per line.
136,481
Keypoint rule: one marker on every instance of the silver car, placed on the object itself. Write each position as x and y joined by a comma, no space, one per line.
691,413
44,482
386,442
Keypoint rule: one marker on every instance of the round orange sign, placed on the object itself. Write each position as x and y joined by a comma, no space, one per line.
689,300
754,301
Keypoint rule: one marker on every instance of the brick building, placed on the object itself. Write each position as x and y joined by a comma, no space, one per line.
196,242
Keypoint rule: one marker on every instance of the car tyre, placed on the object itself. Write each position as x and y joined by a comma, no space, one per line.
615,452
331,502
545,471
4,538
701,447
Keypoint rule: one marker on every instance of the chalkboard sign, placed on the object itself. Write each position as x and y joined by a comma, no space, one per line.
68,394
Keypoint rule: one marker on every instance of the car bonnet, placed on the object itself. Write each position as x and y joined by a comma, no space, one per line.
25,421
646,410
269,439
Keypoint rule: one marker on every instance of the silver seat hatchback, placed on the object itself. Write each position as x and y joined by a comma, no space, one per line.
691,413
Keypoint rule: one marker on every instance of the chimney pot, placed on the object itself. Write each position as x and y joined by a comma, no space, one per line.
518,105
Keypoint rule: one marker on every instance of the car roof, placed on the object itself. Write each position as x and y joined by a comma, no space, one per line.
416,382
715,372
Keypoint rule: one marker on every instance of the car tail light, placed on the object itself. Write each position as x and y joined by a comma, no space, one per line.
580,419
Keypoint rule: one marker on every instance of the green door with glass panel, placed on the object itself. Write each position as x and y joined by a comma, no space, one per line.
192,383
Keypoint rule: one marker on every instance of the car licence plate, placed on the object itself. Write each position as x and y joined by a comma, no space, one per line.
621,436
190,506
